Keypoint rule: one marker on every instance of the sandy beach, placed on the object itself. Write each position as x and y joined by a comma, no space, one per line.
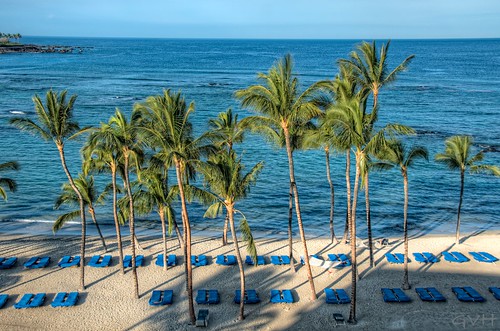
107,303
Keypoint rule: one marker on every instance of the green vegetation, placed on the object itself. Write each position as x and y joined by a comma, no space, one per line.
6,37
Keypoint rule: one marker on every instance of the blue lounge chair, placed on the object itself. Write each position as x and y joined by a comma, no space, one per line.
69,261
280,259
98,261
483,257
203,317
251,297
467,294
127,261
260,260
394,295
171,260
65,299
455,257
425,257
338,296
207,297
495,291
37,262
430,294
342,258
198,260
281,296
3,299
161,298
396,258
30,300
7,263
226,260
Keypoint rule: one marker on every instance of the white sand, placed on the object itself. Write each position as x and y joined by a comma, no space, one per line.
107,304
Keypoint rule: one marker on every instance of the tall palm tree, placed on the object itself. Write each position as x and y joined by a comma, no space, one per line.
225,131
10,184
223,173
396,154
458,156
283,106
55,122
86,187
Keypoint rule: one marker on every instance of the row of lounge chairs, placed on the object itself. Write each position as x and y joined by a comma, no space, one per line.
431,294
30,300
454,257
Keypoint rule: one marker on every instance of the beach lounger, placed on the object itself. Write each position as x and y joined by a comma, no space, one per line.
161,298
280,259
7,263
198,260
37,262
396,258
69,261
171,260
127,261
455,257
483,257
281,296
203,317
30,300
430,294
467,294
425,257
260,260
226,260
338,296
342,258
395,295
65,299
207,297
495,291
98,261
3,299
251,297
338,319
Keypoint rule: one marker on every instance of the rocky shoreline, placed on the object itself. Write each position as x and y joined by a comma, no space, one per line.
29,48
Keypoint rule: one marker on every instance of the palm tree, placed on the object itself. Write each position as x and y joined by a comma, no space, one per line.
225,131
55,122
282,106
10,184
396,154
457,156
86,187
223,175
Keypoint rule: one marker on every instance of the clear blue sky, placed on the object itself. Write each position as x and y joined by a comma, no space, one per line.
332,19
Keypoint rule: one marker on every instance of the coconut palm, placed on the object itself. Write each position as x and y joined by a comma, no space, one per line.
86,187
8,183
55,122
458,156
282,106
223,174
396,154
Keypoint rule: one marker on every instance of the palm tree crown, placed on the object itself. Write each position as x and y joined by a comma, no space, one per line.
10,184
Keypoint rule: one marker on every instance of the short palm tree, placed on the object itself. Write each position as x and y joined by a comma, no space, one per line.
282,106
458,156
223,174
55,122
8,183
86,187
396,154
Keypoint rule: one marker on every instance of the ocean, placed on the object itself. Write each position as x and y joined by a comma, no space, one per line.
452,87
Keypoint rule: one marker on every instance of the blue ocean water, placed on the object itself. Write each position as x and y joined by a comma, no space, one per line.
451,87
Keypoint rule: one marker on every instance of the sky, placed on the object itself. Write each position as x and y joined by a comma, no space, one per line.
273,19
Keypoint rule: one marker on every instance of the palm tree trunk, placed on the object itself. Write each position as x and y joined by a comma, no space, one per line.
368,219
297,212
179,236
230,212
187,242
224,233
462,180
406,284
354,277
161,212
332,194
115,217
92,214
131,225
290,233
60,148
348,189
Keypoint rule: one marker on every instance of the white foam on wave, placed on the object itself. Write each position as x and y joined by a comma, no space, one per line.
17,112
